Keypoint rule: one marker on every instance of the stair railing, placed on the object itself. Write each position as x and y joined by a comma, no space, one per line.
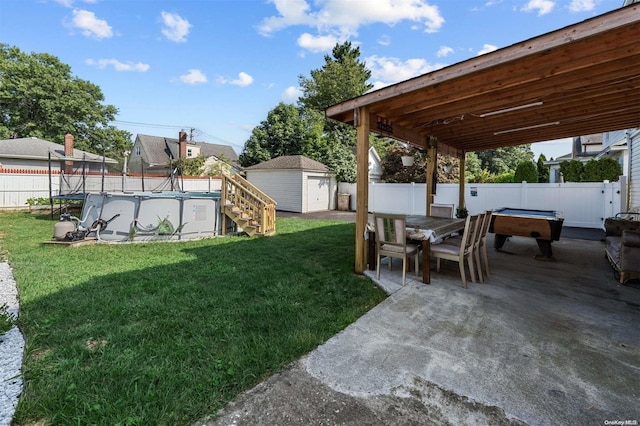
250,203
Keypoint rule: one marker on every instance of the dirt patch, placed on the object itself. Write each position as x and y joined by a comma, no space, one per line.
294,397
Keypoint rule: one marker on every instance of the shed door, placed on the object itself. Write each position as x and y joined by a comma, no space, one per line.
318,190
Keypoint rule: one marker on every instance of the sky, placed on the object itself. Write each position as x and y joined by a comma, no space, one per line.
218,67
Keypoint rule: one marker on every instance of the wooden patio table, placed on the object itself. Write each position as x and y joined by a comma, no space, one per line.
426,229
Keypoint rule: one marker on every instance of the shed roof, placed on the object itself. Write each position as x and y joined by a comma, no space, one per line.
581,79
297,162
39,149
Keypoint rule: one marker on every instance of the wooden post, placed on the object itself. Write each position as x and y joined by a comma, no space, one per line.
223,204
362,185
461,180
431,168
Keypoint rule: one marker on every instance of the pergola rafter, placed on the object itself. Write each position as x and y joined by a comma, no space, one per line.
581,79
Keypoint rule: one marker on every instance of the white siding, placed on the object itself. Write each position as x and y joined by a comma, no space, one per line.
634,169
284,186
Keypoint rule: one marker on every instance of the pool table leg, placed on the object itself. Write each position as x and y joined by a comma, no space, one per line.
499,241
545,249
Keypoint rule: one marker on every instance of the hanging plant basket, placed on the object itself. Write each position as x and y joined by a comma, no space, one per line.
407,160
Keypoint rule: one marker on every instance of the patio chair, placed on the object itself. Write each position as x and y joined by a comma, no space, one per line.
441,210
391,242
459,250
481,250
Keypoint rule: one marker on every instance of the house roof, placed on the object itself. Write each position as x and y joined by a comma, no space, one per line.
159,150
39,149
581,79
295,162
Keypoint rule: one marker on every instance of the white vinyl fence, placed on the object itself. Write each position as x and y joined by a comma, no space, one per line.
584,205
17,188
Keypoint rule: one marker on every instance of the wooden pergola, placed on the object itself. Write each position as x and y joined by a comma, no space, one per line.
579,80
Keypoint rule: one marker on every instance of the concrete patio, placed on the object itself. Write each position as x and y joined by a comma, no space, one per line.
538,343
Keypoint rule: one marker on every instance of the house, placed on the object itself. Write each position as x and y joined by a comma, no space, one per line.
583,148
297,183
375,164
33,154
156,154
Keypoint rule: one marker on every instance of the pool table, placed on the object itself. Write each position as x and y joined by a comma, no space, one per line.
543,225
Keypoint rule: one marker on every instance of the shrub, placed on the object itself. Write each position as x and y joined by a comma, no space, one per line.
526,171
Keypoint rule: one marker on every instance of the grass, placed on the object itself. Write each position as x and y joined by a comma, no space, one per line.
167,333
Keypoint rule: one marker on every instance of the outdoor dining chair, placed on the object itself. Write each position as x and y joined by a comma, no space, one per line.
391,242
441,210
482,260
459,250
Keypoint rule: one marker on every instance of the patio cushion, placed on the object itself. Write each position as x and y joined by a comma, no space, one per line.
398,249
446,248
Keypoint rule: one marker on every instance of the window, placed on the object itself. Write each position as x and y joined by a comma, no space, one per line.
189,153
137,152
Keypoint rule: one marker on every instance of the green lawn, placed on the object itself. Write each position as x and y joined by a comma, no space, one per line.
167,333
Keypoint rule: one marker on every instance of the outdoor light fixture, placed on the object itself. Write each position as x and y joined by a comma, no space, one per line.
553,123
515,108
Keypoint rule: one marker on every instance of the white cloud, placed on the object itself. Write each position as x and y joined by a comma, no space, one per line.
317,44
69,3
119,66
542,6
384,40
444,51
487,48
90,25
291,95
582,5
243,80
344,18
194,77
175,28
385,71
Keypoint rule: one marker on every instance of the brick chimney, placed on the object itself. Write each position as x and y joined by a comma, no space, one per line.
68,153
182,144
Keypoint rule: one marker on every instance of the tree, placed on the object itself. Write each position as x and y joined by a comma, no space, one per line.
40,97
290,130
526,171
572,171
190,166
342,77
602,169
543,171
394,171
286,131
506,159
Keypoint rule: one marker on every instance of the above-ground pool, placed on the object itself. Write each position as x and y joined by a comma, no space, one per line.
149,216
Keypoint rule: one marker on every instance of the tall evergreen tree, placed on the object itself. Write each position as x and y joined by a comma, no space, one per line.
543,171
342,77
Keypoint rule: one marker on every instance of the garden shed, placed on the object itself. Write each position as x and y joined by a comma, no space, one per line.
297,183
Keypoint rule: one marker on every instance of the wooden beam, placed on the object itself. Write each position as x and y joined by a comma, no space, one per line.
431,167
594,28
396,131
361,119
461,179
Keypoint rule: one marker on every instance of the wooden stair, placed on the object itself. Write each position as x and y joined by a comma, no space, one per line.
247,206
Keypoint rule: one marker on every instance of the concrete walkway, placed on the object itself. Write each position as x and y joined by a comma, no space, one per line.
538,343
